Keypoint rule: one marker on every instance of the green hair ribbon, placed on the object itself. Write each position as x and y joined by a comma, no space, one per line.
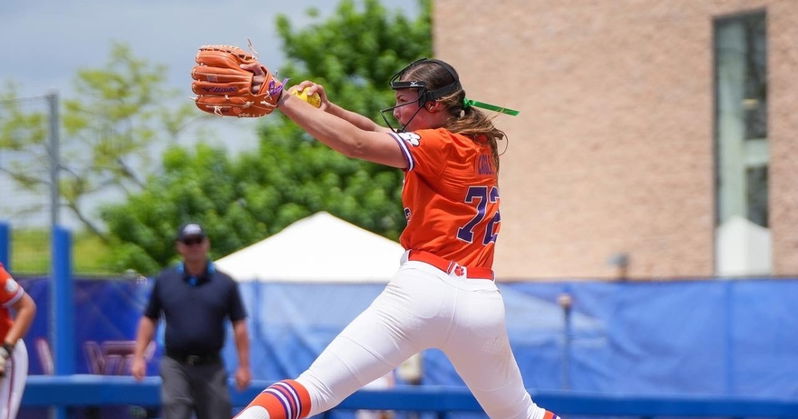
467,103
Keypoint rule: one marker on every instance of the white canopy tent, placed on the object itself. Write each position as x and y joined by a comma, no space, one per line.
319,248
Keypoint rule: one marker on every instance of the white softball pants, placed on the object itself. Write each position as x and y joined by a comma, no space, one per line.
424,307
13,383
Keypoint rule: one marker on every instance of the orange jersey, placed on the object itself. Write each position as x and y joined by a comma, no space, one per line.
10,293
450,196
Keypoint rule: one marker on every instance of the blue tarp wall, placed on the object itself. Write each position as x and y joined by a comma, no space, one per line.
704,337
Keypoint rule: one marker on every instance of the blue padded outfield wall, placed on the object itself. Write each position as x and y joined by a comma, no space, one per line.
660,338
708,337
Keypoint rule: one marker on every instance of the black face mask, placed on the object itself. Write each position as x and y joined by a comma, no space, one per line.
425,95
390,110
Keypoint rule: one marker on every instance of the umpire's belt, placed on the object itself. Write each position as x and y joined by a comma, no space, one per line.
194,359
450,266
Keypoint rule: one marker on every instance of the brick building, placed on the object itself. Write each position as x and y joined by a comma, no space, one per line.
657,138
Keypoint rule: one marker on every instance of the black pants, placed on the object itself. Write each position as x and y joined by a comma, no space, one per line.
201,389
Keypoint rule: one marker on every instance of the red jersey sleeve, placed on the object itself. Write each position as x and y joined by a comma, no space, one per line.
424,150
10,291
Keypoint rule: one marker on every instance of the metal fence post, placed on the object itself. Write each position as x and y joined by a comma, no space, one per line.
55,158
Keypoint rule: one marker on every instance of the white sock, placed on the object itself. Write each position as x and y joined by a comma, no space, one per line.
253,412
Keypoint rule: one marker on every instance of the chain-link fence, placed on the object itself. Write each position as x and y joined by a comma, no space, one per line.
28,147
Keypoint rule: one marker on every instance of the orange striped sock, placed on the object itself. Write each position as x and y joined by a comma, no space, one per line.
286,399
550,415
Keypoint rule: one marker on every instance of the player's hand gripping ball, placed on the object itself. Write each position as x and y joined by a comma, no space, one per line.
313,99
224,88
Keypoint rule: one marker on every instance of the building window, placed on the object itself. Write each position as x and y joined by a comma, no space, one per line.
742,242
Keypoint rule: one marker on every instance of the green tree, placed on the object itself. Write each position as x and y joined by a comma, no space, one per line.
354,52
200,182
23,147
119,112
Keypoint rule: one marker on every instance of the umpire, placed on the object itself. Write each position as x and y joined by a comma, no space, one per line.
195,299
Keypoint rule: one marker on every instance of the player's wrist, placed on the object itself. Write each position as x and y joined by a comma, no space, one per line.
282,99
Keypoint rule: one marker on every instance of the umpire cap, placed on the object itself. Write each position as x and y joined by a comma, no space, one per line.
190,230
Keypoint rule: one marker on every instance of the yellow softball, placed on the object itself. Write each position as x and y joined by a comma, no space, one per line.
313,99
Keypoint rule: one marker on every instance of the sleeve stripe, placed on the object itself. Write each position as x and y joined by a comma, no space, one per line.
405,150
20,292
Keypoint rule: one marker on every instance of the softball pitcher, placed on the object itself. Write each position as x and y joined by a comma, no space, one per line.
443,295
13,355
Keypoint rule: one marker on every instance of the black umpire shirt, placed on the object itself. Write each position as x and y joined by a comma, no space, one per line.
195,309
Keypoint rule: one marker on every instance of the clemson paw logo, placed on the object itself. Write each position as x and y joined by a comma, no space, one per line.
11,286
411,138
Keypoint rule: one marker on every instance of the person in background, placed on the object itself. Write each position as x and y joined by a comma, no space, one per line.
13,354
195,299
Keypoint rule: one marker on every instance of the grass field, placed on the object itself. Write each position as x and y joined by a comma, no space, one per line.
30,253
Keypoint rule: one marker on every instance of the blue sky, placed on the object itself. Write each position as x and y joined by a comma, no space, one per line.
45,42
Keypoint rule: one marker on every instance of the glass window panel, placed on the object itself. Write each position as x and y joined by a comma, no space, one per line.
743,243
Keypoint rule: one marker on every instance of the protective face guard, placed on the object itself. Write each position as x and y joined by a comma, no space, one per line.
424,94
388,123
422,89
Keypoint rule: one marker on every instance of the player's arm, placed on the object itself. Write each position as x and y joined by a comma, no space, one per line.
338,133
342,135
310,88
25,310
356,119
